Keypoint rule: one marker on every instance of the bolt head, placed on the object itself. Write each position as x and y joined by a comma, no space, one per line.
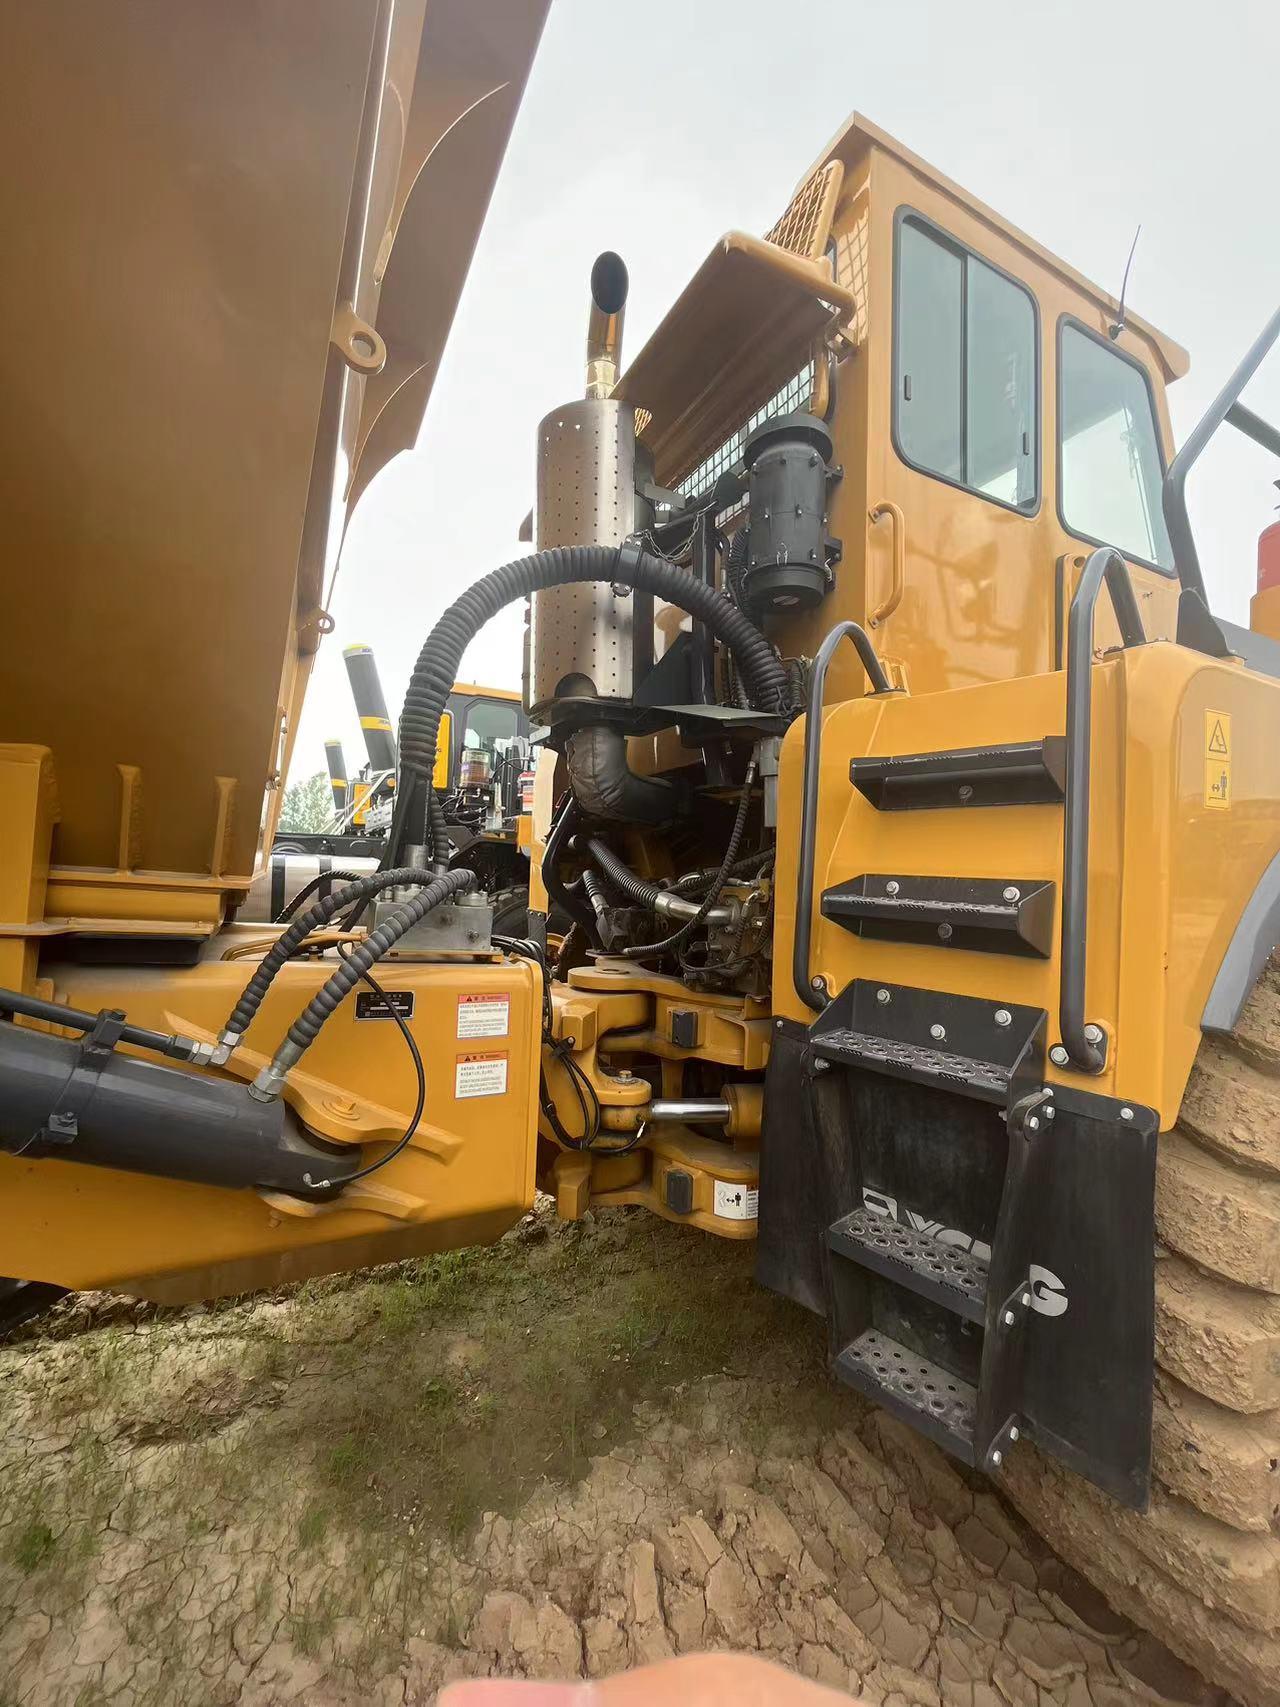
997,1457
1015,1433
1011,894
1059,1056
883,996
1126,1114
777,1025
891,887
1093,1034
1033,1123
819,986
965,791
945,933
1009,1318
1003,1016
938,1033
1025,1300
1049,1111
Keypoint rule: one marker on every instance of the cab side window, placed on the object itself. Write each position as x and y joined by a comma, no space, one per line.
965,370
1110,468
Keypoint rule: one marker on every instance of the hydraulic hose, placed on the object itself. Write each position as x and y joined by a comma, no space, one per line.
288,942
646,951
694,880
624,880
306,1028
318,882
441,655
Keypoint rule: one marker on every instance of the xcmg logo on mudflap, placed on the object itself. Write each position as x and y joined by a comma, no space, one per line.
1048,1294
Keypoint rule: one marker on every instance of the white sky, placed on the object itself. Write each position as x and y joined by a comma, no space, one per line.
652,128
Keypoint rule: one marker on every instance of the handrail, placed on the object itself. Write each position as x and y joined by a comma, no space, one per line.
811,991
1225,407
899,560
1104,564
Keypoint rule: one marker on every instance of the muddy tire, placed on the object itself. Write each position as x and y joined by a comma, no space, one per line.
1201,1568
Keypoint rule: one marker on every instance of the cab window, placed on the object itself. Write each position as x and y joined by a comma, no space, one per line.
489,721
1111,471
965,369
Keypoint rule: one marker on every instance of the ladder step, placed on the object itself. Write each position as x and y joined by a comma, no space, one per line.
994,915
927,1397
916,1061
1026,773
966,1044
949,1276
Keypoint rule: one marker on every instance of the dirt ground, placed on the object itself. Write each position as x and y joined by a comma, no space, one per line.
587,1448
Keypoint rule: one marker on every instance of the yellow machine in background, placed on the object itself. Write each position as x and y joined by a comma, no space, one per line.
918,826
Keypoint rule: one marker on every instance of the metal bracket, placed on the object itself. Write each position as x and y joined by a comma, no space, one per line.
356,341
1007,1435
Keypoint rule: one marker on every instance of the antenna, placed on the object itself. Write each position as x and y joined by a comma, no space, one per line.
1115,329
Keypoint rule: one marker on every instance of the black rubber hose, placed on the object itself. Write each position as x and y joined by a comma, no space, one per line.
287,943
306,1028
290,908
441,655
623,879
740,868
646,951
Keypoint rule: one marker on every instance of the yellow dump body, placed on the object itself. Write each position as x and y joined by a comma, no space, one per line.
234,236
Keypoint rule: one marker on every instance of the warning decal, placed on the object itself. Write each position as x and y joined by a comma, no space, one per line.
1217,759
736,1202
483,1015
480,1075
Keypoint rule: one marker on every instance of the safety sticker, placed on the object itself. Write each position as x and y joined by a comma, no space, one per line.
480,1075
484,1015
736,1202
1217,759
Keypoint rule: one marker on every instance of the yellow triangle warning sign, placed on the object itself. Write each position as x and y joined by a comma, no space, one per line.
1218,738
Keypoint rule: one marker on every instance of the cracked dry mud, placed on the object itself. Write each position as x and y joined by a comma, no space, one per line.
587,1449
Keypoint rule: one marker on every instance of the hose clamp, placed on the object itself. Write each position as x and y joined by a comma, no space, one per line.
625,563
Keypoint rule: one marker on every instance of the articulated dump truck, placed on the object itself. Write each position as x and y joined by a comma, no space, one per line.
915,825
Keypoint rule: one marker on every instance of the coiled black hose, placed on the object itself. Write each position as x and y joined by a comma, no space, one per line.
290,908
355,893
441,655
305,1029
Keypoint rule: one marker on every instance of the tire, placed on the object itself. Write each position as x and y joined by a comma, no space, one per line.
511,912
1201,1568
23,1300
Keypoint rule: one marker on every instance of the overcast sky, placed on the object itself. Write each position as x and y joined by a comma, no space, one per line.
653,128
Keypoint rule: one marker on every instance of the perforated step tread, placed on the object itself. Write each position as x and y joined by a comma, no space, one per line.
986,1079
952,1277
924,1395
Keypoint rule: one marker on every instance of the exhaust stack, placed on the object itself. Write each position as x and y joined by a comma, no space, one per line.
371,707
337,774
604,329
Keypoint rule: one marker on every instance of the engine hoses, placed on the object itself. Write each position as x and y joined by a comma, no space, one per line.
646,951
306,1028
629,565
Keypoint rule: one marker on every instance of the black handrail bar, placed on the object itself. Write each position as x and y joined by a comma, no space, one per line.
1104,564
1225,407
809,992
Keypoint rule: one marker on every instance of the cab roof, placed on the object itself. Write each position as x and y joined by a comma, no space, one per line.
859,136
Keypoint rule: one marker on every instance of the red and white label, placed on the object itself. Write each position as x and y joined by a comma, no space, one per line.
484,1014
480,1075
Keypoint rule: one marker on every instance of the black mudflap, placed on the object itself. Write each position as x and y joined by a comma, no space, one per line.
985,1260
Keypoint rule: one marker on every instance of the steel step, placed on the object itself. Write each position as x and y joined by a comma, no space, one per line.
949,1276
927,1397
994,915
916,1061
1026,773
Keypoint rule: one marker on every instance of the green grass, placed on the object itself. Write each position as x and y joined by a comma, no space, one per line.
34,1546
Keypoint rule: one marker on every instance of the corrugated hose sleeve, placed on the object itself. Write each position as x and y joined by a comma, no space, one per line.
441,656
304,1030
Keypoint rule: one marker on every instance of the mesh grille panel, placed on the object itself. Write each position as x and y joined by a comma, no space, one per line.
806,224
793,396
